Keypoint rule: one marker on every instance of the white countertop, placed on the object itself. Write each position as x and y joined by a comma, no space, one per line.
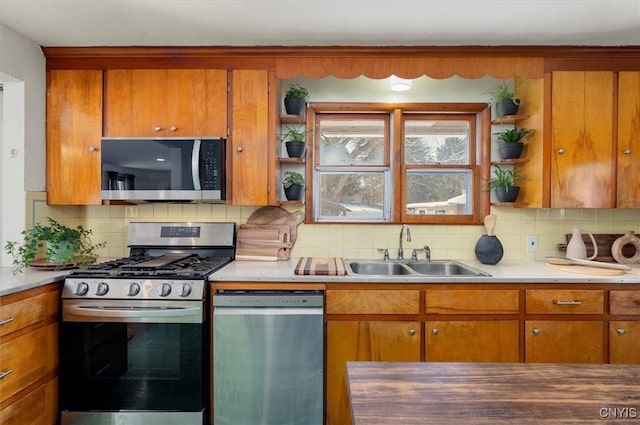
503,272
28,279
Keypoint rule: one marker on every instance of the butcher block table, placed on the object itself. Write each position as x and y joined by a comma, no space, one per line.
493,393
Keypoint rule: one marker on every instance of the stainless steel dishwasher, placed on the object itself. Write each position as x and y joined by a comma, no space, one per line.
268,358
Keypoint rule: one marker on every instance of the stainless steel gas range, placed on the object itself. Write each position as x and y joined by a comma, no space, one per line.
135,334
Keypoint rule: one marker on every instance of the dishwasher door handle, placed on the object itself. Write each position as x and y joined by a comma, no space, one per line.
266,311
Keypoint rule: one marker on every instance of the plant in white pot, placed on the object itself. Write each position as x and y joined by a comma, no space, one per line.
293,184
295,142
55,245
295,99
511,144
503,183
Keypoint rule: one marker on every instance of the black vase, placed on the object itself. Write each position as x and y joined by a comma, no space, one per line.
507,107
295,149
294,192
505,195
294,105
510,150
489,249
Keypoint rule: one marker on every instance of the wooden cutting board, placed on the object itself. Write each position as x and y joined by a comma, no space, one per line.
595,271
324,266
263,243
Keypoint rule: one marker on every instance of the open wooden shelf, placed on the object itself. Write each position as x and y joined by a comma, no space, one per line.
287,160
285,202
509,161
509,119
292,119
510,204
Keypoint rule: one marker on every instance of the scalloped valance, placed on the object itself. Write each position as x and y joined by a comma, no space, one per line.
406,67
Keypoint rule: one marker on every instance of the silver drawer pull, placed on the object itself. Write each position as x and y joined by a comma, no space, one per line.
621,331
5,321
3,374
572,302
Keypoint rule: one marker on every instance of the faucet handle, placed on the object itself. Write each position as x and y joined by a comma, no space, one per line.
427,252
386,253
414,253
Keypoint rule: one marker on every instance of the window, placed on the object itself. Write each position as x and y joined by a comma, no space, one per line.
413,163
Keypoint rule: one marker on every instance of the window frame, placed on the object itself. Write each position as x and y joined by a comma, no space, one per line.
479,155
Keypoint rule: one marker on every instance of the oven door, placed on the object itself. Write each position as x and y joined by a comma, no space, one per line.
133,358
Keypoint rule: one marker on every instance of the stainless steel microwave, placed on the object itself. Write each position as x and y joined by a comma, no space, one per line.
163,169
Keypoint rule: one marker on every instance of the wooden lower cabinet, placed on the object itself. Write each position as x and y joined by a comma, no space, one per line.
472,341
624,341
29,347
564,341
364,341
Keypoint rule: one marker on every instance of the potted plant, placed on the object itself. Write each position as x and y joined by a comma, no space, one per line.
54,245
504,99
295,100
293,184
511,142
504,185
295,142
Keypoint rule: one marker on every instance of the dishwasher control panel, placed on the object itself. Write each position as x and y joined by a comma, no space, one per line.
257,299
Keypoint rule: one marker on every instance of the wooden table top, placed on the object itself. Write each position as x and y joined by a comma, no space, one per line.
396,393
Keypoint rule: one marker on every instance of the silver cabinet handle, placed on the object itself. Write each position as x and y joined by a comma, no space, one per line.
157,128
627,151
8,372
435,331
412,332
92,148
173,128
5,321
560,151
572,302
239,148
536,331
621,331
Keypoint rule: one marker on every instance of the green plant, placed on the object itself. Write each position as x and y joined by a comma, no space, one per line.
502,178
292,178
514,135
297,91
57,243
292,134
504,91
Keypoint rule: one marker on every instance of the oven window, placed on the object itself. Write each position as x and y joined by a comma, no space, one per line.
133,366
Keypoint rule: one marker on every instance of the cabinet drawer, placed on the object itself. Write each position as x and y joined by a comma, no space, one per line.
472,301
624,302
565,301
23,362
373,302
21,314
28,410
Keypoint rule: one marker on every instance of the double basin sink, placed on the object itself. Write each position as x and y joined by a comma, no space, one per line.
412,268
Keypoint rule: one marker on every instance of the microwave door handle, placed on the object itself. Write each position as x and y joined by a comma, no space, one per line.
195,164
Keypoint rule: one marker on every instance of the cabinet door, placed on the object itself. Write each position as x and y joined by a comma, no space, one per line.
74,127
563,341
582,148
250,138
363,341
472,341
624,341
628,144
28,410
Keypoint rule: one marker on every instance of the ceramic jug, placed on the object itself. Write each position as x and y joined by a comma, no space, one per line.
576,247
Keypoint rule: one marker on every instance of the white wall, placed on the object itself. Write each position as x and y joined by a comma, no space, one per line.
22,134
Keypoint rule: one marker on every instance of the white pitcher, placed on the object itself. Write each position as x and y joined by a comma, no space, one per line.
576,247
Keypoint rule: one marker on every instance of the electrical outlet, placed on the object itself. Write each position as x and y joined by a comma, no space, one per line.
532,243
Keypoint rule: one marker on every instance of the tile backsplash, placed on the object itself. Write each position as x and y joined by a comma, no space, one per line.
109,223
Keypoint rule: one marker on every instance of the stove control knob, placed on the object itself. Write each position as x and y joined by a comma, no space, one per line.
186,290
81,288
165,290
102,289
134,289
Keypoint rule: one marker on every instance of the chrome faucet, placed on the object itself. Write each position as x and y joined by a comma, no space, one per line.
400,251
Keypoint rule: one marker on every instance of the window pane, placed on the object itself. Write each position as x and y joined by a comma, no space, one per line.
351,195
442,192
436,142
352,141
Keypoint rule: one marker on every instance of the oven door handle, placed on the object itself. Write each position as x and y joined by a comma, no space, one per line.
136,312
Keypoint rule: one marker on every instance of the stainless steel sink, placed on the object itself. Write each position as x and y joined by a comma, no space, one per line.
412,268
379,268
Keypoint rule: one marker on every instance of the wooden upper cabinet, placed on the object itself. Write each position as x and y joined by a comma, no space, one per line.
166,103
74,127
582,142
252,159
628,143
